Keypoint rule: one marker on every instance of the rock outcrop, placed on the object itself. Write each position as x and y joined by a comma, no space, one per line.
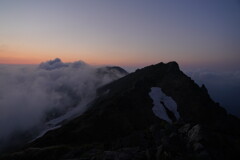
121,125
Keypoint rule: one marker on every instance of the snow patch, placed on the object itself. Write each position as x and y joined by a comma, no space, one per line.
159,100
45,131
57,122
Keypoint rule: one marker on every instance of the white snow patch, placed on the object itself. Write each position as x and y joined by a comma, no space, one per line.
158,96
57,122
68,116
45,131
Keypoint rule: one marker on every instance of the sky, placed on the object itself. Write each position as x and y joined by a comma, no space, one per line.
203,36
195,33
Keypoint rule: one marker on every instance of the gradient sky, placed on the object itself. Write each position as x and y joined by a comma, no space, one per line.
195,33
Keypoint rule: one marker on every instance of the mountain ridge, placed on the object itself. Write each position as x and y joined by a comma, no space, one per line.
121,121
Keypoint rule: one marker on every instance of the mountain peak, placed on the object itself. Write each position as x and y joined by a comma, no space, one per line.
172,67
173,64
154,113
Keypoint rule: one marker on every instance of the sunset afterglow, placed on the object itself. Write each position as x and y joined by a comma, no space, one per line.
120,32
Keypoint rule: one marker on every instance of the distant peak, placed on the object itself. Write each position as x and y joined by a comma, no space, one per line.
57,64
173,65
117,68
170,66
52,64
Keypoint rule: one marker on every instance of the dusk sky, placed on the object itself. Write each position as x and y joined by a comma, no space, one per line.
195,33
54,53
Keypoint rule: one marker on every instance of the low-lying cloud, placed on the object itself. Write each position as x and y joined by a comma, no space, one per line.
53,87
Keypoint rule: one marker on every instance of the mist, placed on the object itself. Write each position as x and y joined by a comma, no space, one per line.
33,95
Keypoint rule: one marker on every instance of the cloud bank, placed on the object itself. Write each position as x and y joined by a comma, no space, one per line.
30,96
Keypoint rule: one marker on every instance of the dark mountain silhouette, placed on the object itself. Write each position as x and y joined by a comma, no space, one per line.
73,83
121,123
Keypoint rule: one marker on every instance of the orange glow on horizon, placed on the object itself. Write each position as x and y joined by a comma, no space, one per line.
23,60
25,56
91,61
92,58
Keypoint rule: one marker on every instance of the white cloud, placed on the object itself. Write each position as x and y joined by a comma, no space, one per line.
28,93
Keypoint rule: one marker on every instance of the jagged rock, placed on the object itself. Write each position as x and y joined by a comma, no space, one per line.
194,134
110,155
203,155
122,154
121,124
184,129
204,89
159,152
198,147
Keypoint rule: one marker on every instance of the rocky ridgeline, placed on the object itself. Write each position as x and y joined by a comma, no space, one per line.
121,125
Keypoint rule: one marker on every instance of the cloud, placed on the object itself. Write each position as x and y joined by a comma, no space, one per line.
53,64
53,88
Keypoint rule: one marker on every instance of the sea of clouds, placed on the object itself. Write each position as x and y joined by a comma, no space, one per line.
32,95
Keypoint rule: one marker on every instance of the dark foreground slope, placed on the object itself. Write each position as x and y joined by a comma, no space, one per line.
121,124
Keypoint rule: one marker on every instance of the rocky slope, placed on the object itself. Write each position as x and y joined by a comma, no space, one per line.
69,87
121,123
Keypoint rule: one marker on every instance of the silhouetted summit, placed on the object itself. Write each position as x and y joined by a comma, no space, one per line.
154,113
